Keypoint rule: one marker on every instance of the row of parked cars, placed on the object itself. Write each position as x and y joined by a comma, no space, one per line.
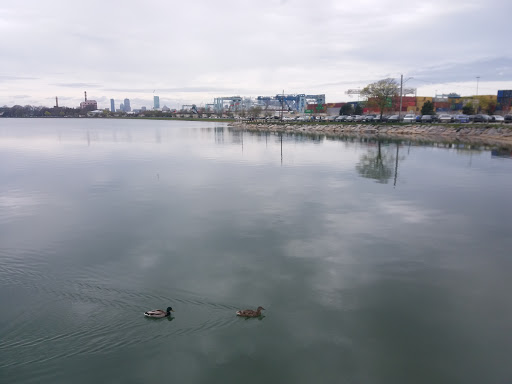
411,118
408,118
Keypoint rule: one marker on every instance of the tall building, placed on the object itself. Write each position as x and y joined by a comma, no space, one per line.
156,102
112,106
121,107
127,107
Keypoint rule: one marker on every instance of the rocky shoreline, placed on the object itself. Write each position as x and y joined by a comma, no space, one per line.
490,134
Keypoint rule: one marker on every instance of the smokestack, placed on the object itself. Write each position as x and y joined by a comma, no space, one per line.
56,102
85,93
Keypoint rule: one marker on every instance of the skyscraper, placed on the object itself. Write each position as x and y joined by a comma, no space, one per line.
156,102
127,107
112,106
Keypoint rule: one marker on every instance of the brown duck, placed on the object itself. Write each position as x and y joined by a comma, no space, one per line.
159,313
250,312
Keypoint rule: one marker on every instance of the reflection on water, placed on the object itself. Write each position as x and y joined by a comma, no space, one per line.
368,255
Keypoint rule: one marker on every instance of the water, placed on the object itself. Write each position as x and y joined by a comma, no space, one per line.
372,269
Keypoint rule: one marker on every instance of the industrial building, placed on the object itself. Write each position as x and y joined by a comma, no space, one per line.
280,102
88,104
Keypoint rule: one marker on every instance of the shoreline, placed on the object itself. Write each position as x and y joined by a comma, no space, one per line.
499,135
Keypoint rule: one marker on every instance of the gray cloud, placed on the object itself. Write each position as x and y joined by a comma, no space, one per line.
194,52
77,85
493,69
10,78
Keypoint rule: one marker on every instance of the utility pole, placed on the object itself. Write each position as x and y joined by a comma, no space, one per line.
282,106
401,93
477,79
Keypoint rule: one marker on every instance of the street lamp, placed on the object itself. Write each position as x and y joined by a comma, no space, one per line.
402,82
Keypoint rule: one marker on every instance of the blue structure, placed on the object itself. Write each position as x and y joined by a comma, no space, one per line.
127,107
293,102
504,99
156,102
112,106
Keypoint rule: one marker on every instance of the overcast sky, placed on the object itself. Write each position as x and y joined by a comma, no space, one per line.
192,51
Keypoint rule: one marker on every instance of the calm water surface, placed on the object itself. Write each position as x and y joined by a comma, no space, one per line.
376,262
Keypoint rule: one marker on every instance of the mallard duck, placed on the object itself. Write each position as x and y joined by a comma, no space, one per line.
250,312
159,313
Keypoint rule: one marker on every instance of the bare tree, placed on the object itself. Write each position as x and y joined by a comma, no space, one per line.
381,93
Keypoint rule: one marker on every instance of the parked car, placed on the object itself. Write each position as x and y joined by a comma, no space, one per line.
370,118
445,118
359,118
393,119
497,118
480,118
349,118
331,118
428,118
508,118
341,118
461,119
409,118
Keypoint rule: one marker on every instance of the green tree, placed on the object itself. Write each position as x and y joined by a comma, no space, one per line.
468,109
486,105
346,109
358,110
491,107
428,108
381,92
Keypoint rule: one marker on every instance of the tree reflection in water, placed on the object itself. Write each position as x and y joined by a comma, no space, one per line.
377,164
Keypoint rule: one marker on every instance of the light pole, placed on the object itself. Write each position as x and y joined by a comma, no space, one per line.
477,79
402,93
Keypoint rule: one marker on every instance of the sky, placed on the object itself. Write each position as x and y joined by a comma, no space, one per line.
192,52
